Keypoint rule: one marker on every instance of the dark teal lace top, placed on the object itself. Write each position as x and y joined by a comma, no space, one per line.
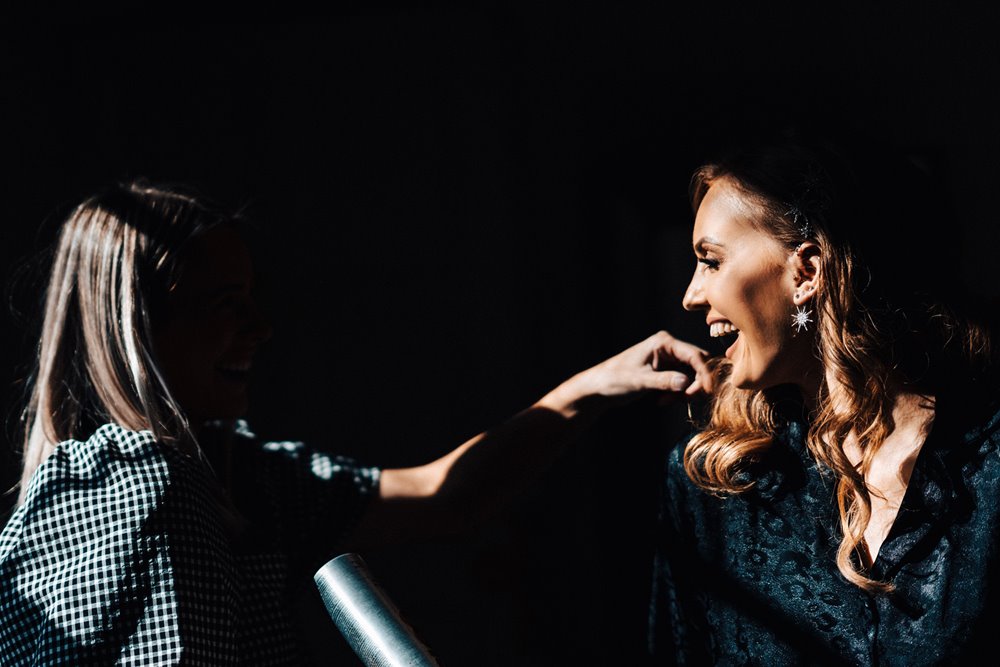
752,580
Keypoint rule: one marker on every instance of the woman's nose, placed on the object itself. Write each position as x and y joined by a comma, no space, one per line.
693,297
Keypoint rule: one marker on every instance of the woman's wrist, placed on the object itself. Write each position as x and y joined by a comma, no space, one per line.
574,398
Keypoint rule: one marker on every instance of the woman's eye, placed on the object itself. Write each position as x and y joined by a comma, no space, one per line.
712,264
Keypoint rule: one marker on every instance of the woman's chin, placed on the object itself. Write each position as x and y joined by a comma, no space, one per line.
741,375
759,381
743,378
746,383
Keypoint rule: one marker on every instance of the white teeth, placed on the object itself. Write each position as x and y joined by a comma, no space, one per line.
718,329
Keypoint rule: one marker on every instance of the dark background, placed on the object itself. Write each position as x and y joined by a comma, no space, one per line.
459,209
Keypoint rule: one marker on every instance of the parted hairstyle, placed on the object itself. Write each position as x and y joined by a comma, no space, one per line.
884,318
116,259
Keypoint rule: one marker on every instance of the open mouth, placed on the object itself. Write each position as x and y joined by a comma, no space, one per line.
723,330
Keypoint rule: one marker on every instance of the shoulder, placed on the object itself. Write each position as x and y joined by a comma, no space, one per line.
112,492
310,498
112,463
118,517
675,456
108,484
966,430
294,461
676,486
983,426
967,449
299,459
675,470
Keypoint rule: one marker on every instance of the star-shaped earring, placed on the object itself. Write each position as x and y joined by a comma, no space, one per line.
801,319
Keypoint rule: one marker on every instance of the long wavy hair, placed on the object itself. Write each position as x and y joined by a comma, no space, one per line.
882,321
117,258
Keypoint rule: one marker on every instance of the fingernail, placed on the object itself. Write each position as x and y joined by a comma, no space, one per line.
679,382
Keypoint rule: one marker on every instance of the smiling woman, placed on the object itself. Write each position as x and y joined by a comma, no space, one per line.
745,280
211,328
839,506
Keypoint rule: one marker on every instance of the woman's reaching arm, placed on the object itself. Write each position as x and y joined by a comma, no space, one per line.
460,488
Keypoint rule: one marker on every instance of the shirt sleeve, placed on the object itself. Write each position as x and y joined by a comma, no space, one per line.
116,557
312,499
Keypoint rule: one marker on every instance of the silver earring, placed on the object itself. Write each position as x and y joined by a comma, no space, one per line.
801,319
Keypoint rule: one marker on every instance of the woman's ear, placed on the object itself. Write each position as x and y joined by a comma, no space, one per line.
807,269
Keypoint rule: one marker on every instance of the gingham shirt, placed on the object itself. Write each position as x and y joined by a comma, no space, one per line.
120,555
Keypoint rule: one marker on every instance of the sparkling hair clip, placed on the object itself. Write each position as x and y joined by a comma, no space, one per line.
814,197
800,220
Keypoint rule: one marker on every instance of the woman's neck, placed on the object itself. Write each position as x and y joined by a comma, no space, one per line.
809,384
908,405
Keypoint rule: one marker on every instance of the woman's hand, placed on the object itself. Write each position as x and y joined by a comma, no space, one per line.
659,363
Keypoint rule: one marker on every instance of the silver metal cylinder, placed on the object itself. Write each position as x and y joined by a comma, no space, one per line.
367,618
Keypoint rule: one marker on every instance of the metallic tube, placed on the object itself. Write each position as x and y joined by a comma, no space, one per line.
367,618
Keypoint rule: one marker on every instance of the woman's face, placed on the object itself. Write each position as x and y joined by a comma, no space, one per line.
745,280
206,345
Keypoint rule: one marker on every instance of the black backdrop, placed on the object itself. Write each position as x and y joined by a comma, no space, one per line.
461,207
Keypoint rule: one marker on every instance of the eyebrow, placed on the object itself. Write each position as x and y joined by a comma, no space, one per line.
708,240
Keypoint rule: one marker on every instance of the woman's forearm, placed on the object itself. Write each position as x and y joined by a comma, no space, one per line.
457,490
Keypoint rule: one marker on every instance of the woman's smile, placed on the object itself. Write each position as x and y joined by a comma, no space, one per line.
207,345
745,279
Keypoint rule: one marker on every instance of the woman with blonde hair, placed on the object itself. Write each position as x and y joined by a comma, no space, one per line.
153,527
842,503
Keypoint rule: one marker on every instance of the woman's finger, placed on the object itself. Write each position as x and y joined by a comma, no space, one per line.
673,381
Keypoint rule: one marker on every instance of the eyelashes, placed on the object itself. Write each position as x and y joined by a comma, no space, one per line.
712,264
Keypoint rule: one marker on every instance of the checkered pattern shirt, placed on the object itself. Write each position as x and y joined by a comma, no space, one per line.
120,553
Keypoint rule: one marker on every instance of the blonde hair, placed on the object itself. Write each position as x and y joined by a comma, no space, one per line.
117,257
864,340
